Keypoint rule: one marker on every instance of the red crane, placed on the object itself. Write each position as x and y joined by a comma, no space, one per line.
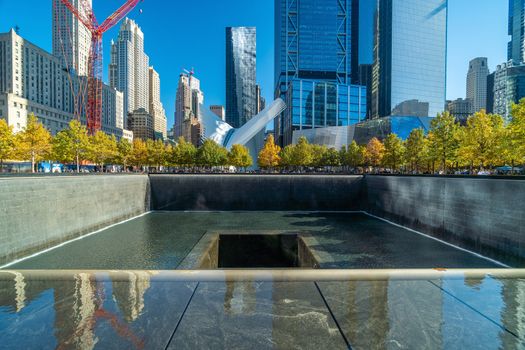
94,84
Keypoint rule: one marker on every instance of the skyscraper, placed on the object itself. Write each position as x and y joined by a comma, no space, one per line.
188,101
219,111
241,75
410,57
516,49
156,108
129,67
477,83
509,87
318,42
71,39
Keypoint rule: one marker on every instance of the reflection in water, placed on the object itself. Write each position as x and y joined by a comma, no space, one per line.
80,305
240,298
513,310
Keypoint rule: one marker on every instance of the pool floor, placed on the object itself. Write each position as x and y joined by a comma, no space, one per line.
161,241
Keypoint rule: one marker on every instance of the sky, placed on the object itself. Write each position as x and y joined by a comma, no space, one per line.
183,34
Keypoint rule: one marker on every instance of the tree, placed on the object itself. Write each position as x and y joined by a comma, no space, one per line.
269,155
318,155
139,153
375,151
78,136
239,156
286,156
184,153
210,154
443,139
62,148
331,158
71,144
517,133
102,148
416,149
156,153
353,155
302,153
33,142
124,152
6,142
394,152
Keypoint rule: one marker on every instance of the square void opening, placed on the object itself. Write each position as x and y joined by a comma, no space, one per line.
258,251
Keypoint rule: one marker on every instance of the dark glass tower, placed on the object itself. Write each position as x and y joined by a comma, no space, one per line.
317,40
516,31
409,74
241,95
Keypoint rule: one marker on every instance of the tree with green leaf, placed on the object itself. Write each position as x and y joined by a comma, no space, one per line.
302,155
124,152
239,156
286,156
416,150
7,141
33,142
443,137
269,157
318,155
102,148
331,158
61,150
210,154
71,144
184,153
353,155
393,156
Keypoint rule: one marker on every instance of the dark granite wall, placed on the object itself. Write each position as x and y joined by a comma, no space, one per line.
265,192
480,214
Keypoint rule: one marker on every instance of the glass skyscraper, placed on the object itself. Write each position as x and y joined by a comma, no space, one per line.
317,41
409,73
319,104
241,95
516,51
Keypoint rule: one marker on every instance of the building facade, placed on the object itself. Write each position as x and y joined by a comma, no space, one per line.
490,92
260,101
219,111
188,103
313,104
241,73
509,87
71,39
141,124
477,83
33,81
461,109
156,108
410,56
129,67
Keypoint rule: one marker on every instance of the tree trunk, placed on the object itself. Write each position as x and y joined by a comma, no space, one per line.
32,163
78,163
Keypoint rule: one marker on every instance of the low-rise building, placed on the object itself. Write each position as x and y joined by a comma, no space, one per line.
140,122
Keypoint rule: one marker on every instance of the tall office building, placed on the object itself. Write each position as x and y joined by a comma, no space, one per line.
477,83
129,67
260,101
241,73
33,81
71,39
219,111
516,48
319,42
410,57
509,87
188,101
156,108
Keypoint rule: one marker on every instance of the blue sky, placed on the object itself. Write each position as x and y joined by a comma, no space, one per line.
184,34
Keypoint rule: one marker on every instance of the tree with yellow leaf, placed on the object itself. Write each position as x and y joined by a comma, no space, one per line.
375,150
7,141
33,142
269,156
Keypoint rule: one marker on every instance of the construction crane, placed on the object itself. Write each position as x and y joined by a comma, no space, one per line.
94,84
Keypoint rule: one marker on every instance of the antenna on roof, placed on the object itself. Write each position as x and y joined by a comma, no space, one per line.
17,29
